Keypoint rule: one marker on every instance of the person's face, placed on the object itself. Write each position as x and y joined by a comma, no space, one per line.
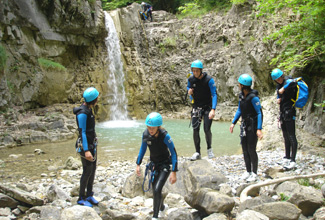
196,72
152,130
279,80
240,86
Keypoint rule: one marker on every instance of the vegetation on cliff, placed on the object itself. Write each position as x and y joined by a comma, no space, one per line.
303,35
48,64
3,58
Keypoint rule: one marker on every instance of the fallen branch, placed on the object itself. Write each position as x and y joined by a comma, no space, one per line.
243,195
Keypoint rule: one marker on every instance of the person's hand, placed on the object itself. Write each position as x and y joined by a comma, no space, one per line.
259,134
211,114
281,91
191,91
89,156
279,100
231,129
172,178
138,170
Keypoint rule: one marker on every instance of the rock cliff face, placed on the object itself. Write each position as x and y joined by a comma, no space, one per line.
156,56
68,32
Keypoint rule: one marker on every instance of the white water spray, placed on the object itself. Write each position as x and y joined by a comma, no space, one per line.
117,99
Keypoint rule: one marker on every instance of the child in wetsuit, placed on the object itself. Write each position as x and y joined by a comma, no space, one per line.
162,154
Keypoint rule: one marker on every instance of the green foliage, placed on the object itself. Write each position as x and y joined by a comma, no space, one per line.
3,58
113,4
169,42
236,2
48,64
14,66
303,36
198,8
284,197
188,7
305,182
11,86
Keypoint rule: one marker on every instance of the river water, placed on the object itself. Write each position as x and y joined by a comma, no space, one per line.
118,140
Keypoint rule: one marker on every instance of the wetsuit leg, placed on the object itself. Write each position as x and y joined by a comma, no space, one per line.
287,144
157,186
150,14
207,129
87,177
196,133
247,159
91,179
291,138
251,148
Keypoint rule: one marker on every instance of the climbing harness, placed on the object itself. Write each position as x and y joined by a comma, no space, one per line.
79,148
149,167
196,113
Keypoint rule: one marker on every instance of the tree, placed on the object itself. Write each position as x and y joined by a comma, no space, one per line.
304,35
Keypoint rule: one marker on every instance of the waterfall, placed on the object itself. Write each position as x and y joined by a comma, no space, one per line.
117,99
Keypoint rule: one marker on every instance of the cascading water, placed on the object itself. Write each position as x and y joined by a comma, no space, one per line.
117,99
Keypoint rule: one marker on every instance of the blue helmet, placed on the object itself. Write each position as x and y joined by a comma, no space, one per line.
154,119
245,79
276,74
197,64
90,94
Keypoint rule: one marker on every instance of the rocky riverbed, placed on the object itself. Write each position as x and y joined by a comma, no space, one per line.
121,197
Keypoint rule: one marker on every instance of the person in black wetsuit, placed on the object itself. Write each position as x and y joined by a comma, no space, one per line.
286,92
203,89
162,154
147,9
87,138
249,109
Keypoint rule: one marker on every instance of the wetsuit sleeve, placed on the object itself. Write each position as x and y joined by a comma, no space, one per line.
142,151
82,122
213,90
257,106
170,144
237,115
290,83
188,85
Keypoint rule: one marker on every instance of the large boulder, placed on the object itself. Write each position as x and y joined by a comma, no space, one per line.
55,192
279,210
117,214
250,203
210,201
180,214
308,199
251,215
50,212
78,212
194,175
319,214
133,185
21,195
6,201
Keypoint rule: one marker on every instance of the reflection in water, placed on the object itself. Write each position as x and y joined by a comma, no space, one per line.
118,140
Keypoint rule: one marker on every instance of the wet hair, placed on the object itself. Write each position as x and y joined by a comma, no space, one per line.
248,88
92,102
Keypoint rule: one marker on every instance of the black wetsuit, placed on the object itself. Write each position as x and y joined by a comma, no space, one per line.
288,118
249,109
86,127
162,154
205,99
